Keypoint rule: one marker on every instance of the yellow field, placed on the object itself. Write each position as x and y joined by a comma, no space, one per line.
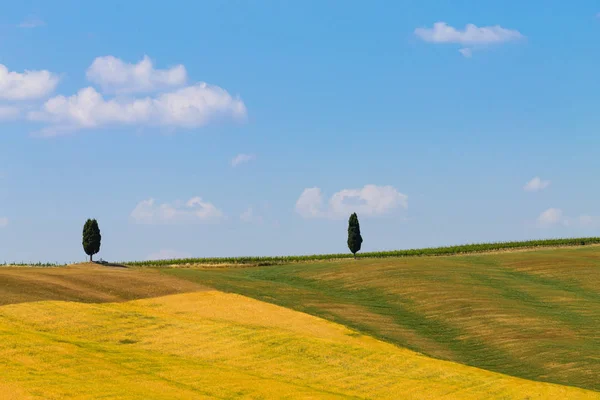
210,344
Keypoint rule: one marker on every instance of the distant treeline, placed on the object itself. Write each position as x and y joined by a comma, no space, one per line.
434,251
38,264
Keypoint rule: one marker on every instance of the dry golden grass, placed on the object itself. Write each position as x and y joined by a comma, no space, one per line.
215,345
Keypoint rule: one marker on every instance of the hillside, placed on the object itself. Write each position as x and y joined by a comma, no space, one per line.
534,315
215,345
87,283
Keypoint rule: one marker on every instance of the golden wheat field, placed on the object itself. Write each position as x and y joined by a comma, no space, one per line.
210,344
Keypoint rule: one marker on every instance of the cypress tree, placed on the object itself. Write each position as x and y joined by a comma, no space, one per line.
91,238
354,238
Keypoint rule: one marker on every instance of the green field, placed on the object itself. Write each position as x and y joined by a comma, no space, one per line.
534,314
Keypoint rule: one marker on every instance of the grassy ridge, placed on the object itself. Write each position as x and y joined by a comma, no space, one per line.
434,251
533,314
216,345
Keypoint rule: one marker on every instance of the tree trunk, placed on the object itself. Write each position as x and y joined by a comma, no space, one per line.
91,258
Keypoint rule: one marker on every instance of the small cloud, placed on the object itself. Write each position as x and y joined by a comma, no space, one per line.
536,184
470,36
551,216
310,203
241,159
371,200
589,221
468,53
167,254
3,222
555,216
194,210
249,216
31,22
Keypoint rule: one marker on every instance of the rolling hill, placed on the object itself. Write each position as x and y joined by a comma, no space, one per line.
520,325
533,314
211,344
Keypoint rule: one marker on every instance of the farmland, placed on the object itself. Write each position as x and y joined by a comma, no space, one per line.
532,314
506,325
215,345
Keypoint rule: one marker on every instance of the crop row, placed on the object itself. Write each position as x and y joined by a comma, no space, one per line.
433,251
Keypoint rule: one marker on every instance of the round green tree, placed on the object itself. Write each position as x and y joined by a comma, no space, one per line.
91,238
354,238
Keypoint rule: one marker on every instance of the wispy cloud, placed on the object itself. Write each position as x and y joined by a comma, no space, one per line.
551,216
536,184
470,36
249,216
9,112
31,22
466,52
242,158
589,221
194,210
556,217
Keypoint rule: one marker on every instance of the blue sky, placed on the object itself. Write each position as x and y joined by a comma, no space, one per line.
428,118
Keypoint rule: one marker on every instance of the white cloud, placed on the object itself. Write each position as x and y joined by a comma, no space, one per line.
551,216
241,159
26,85
189,107
472,35
310,203
250,217
536,184
194,210
371,200
3,222
588,221
9,112
466,52
116,76
168,254
555,216
31,22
